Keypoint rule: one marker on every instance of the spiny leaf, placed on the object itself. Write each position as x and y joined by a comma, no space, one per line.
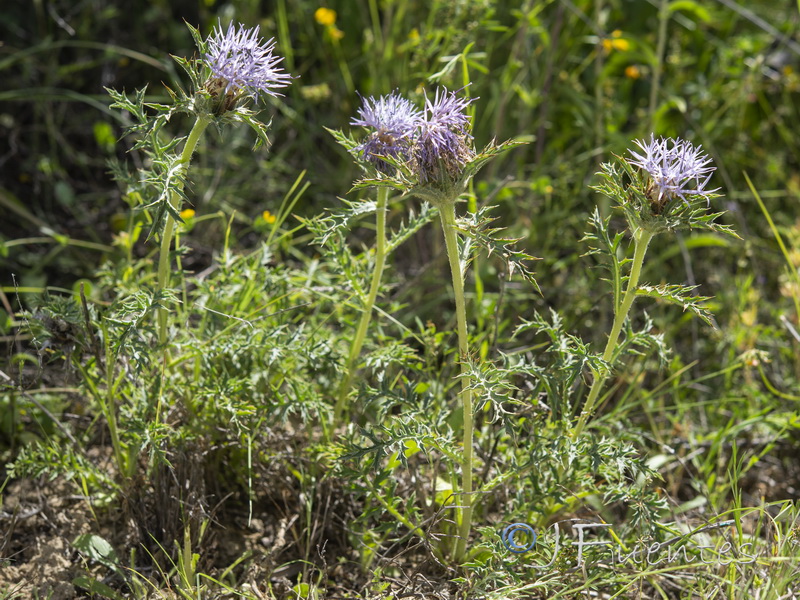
476,226
380,182
565,359
643,339
491,150
134,106
167,177
198,39
348,142
329,234
491,388
383,441
339,221
602,244
680,295
260,128
401,179
416,222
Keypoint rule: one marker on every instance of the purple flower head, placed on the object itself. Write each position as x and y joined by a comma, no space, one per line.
242,64
443,145
676,169
394,121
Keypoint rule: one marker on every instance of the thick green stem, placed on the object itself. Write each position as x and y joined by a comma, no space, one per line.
366,315
641,240
166,237
447,213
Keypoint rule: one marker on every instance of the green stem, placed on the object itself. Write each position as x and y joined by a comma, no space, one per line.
641,240
447,213
663,19
599,129
59,239
777,235
366,315
108,406
12,421
166,237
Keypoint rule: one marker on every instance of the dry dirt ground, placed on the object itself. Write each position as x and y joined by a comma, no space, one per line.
39,522
288,538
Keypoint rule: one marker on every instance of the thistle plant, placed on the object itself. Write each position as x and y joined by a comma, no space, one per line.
391,121
661,187
430,154
441,151
443,161
235,66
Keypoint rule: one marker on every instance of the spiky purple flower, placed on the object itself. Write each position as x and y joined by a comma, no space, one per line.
443,145
676,169
394,120
242,64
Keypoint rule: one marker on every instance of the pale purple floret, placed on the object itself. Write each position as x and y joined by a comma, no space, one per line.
676,168
444,138
243,64
394,121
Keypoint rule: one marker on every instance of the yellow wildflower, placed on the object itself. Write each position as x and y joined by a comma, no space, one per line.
621,44
632,72
325,16
316,93
615,42
268,217
187,213
413,35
